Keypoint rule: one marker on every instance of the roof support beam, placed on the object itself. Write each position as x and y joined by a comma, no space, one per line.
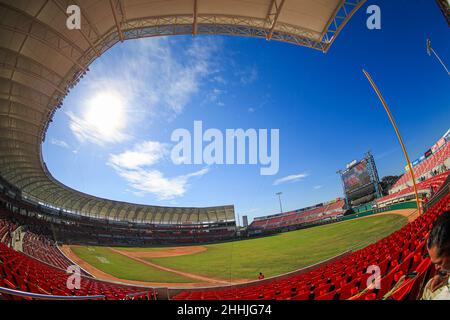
86,18
16,167
21,119
18,183
32,75
41,109
23,174
116,19
23,43
128,208
44,42
54,194
136,213
15,140
105,204
17,55
88,201
39,184
115,210
17,156
21,132
195,24
68,203
34,20
90,206
27,93
344,12
38,93
274,12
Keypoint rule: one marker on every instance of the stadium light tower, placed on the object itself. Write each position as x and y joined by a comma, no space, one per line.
279,199
430,51
398,136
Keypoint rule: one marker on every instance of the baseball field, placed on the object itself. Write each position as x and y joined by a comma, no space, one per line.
237,261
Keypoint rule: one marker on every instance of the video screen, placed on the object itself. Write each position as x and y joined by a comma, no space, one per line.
356,177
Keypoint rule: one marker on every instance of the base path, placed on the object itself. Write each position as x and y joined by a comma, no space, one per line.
198,281
99,274
132,255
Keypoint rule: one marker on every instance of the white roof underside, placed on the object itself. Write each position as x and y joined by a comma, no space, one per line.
40,60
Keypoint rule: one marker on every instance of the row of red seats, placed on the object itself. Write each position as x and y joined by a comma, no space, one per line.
425,167
397,255
6,229
413,277
41,248
21,272
295,218
436,182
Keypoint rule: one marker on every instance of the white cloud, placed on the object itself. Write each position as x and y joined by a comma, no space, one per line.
290,179
318,187
143,154
135,167
59,143
153,181
173,77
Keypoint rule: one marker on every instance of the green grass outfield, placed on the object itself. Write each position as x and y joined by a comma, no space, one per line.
244,259
122,267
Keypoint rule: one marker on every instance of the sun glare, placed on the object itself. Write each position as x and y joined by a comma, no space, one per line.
106,113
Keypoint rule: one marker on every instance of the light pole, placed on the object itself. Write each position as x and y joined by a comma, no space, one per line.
279,199
430,50
411,171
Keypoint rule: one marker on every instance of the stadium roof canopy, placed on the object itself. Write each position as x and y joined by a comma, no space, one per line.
41,60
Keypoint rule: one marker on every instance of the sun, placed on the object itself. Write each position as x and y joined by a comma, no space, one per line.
106,113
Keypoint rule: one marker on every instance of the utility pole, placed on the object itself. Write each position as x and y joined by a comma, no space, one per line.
279,199
430,51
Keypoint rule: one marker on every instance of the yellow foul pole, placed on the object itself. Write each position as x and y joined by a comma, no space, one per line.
398,136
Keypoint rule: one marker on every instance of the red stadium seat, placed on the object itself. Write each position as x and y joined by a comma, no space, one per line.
392,254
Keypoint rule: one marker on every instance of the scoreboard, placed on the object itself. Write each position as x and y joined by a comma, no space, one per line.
360,181
356,177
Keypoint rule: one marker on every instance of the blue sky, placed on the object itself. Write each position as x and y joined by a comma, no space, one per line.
112,136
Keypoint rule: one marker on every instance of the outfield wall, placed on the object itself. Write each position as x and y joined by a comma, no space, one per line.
392,207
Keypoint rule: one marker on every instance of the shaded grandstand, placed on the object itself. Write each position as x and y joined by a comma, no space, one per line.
320,213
